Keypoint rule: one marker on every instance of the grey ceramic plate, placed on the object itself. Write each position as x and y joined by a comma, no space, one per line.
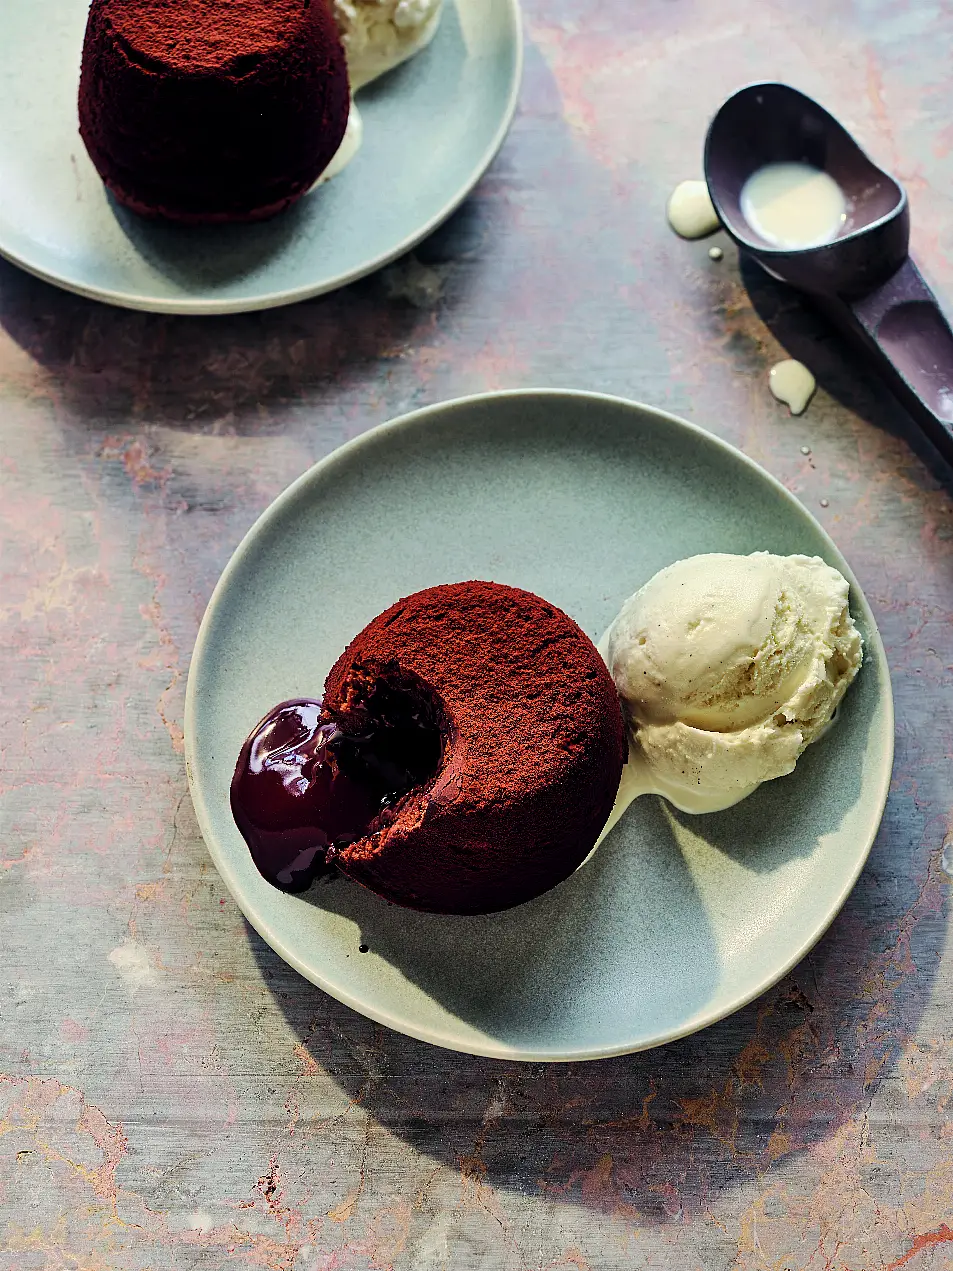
431,129
675,921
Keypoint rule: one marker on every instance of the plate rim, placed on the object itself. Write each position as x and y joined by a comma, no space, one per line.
197,308
874,649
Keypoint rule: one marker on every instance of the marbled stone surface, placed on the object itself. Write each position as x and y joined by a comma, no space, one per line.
172,1096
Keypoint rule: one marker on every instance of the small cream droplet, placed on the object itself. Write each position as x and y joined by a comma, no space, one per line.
715,253
792,383
691,212
805,450
825,503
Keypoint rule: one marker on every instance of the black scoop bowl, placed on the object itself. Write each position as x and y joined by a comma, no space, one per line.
864,280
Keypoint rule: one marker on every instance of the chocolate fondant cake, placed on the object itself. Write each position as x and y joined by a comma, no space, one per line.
531,746
212,110
465,758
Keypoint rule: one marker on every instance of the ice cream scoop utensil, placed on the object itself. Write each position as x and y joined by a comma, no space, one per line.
864,279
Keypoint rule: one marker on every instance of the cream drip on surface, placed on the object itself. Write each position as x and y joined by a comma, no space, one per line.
691,212
792,383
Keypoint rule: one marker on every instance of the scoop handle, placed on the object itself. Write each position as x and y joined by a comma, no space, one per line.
901,326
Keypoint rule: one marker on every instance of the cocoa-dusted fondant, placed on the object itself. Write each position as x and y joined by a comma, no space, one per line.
465,759
212,110
532,747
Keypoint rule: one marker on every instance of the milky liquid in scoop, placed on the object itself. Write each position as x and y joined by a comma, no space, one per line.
793,205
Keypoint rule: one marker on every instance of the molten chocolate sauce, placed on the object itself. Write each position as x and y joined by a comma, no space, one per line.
302,788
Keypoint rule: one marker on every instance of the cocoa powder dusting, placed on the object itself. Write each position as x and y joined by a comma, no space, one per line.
212,110
533,747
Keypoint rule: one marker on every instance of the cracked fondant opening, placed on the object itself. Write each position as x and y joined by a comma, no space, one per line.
309,783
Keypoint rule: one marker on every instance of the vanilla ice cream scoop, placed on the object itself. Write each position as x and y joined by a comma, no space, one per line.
380,34
728,667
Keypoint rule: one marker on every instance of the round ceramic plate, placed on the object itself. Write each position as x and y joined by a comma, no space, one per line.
431,128
676,920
